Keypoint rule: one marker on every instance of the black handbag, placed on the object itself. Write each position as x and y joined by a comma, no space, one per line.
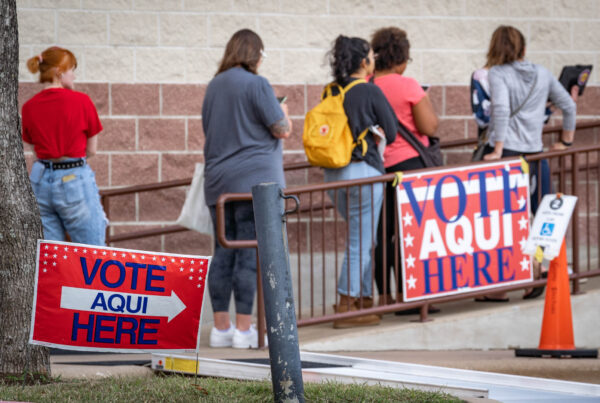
482,139
432,155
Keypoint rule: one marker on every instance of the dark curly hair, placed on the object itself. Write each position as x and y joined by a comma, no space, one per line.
346,56
391,47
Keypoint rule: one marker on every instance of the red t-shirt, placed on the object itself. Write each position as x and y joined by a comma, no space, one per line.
402,93
58,122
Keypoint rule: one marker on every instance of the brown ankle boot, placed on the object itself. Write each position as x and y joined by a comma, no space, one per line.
367,302
348,304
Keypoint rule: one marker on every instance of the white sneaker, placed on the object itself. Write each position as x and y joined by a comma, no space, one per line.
245,339
219,338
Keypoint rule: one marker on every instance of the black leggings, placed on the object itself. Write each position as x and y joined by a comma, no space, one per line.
382,273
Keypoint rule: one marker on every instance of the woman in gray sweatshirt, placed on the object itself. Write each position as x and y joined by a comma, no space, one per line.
519,91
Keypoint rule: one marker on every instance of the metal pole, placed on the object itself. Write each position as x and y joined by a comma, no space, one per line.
271,234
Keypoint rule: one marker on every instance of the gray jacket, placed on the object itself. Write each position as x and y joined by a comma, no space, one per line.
509,86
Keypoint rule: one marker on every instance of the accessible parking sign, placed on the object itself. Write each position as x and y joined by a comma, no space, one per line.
93,298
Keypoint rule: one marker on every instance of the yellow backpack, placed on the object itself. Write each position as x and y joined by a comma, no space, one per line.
327,137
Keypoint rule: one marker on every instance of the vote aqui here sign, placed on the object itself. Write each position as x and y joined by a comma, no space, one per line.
464,229
94,298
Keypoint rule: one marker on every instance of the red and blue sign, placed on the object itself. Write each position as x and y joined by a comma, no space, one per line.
464,229
94,298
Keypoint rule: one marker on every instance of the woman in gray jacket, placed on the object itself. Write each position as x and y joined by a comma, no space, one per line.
519,91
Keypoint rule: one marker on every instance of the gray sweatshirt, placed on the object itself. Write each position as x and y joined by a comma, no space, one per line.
509,86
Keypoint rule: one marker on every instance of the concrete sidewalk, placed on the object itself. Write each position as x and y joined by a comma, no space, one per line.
499,361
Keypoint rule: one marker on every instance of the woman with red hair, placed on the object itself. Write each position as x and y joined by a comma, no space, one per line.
61,125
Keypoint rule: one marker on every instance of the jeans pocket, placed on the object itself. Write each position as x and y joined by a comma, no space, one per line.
73,188
37,171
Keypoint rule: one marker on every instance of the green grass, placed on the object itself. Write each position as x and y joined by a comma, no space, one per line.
187,389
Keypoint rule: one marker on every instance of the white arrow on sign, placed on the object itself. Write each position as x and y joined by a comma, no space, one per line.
83,299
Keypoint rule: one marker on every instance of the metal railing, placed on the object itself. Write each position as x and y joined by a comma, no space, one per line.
316,232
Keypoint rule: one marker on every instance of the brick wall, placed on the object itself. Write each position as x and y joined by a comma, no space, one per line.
146,63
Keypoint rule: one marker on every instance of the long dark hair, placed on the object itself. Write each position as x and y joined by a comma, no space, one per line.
346,56
243,49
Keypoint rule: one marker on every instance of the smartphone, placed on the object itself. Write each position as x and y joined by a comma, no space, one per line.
281,99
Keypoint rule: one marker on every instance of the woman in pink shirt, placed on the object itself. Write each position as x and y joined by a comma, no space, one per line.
413,108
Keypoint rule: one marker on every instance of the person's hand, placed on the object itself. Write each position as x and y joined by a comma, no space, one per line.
558,146
284,107
575,93
494,155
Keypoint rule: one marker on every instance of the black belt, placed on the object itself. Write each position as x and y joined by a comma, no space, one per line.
63,165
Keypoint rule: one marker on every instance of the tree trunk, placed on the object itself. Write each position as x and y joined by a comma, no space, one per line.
20,224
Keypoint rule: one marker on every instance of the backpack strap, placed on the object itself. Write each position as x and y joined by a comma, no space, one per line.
360,140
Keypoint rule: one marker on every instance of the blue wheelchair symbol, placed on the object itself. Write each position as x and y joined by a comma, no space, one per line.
547,229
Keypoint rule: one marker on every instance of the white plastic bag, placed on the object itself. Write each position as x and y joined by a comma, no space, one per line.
195,214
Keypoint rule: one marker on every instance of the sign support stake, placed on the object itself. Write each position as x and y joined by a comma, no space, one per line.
280,312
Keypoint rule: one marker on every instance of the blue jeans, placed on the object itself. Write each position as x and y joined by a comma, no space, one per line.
69,201
362,216
233,269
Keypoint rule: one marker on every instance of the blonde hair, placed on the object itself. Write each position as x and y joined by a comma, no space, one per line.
51,62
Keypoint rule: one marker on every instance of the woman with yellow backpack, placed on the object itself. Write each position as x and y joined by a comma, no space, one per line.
351,60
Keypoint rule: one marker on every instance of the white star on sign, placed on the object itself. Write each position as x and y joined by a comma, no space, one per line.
53,263
200,278
410,261
192,262
172,260
65,256
182,260
524,264
114,254
523,223
75,249
123,255
45,262
153,257
95,251
191,278
407,219
521,202
191,270
163,259
104,252
522,243
66,249
408,240
56,248
181,269
143,257
133,256
85,251
412,282
46,247
199,285
45,270
54,256
45,255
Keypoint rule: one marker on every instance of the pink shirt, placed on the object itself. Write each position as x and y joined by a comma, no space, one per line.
402,93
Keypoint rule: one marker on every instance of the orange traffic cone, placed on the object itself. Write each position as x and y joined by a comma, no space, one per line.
557,338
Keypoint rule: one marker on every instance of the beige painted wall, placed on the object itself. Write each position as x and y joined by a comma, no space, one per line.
181,41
